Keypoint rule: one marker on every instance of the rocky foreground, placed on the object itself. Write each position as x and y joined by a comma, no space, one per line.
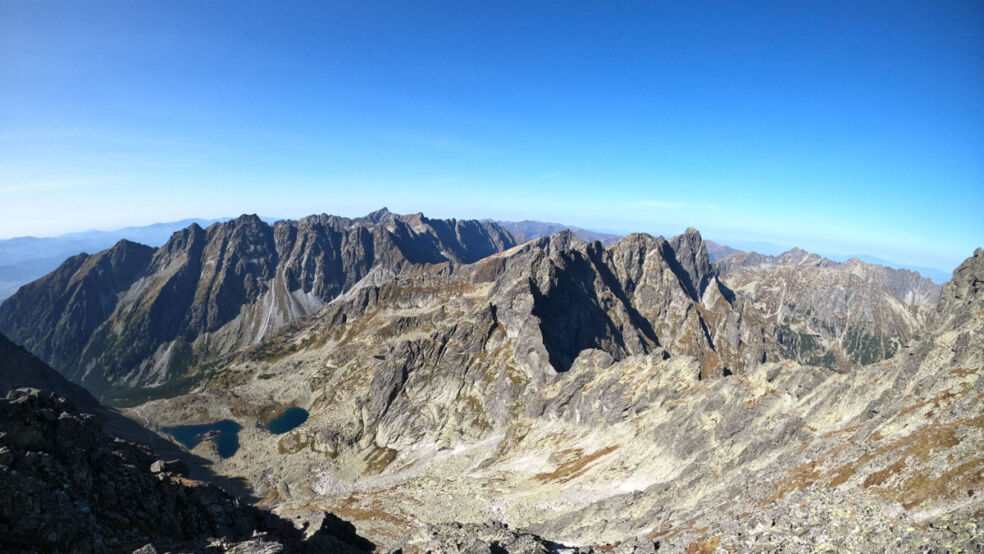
67,487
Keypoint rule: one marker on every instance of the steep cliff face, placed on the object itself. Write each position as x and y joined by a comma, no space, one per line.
133,316
640,294
838,315
964,293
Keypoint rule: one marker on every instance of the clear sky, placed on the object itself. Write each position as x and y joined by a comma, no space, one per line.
850,127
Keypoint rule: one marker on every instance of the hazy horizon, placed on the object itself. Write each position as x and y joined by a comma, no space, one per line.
841,127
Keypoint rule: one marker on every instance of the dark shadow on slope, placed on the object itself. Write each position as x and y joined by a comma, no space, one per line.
571,317
613,284
685,279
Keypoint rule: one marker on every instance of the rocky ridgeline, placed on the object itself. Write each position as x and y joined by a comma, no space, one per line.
132,315
67,487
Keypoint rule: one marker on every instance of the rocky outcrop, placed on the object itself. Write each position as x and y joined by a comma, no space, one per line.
964,292
133,316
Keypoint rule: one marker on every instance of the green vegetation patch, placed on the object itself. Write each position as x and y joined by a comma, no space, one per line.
130,397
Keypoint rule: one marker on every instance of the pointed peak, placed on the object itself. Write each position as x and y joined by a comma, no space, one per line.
690,236
565,237
560,241
379,215
125,245
795,254
247,218
641,240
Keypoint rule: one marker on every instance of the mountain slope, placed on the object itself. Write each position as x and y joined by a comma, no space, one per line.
60,311
717,251
838,315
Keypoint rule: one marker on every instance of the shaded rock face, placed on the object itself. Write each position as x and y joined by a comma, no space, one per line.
640,294
572,313
67,487
135,316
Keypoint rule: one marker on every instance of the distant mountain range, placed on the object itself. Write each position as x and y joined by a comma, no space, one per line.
24,259
528,230
207,290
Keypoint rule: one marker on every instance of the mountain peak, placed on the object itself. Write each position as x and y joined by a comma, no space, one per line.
690,253
243,278
246,219
379,215
565,240
124,245
967,286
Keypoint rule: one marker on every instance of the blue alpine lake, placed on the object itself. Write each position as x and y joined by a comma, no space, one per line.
224,433
289,419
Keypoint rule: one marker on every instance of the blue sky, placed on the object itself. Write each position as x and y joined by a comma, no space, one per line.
848,127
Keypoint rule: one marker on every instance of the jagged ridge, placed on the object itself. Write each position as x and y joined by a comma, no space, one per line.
133,315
